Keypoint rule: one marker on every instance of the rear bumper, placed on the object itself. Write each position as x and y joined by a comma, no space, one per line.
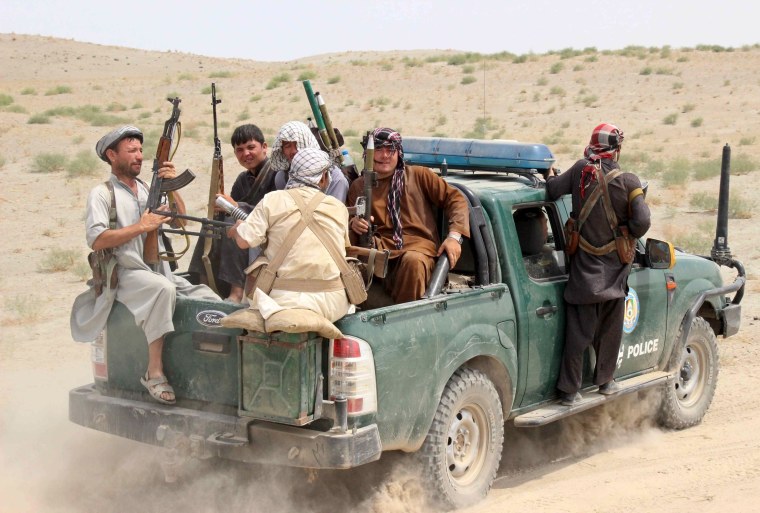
204,434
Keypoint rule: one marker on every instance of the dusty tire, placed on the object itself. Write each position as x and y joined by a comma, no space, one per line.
462,450
685,402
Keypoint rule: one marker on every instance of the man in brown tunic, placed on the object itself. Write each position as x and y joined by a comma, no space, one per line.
404,217
598,284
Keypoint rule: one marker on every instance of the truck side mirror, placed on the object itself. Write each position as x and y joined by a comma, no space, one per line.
660,254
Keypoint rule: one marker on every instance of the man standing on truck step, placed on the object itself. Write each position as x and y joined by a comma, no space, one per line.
404,217
256,180
116,222
598,277
306,273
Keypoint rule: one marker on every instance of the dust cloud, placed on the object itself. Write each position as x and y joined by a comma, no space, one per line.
528,451
48,464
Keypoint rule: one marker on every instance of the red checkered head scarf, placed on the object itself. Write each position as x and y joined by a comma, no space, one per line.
385,137
606,139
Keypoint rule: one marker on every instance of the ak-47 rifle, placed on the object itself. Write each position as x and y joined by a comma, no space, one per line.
370,180
160,187
216,186
324,124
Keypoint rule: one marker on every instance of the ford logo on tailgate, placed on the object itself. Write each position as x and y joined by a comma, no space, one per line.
210,318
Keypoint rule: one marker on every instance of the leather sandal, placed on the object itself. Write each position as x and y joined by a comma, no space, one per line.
156,387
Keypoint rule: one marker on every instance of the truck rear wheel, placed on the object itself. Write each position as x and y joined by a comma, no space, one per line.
462,450
685,402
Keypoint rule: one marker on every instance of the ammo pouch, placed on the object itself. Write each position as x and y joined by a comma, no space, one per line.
353,281
625,245
103,265
572,236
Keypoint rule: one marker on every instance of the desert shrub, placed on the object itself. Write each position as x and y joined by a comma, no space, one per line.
542,81
276,80
677,85
591,58
28,91
244,114
520,59
557,90
255,98
739,208
333,80
137,105
81,269
57,260
742,164
144,115
664,71
185,76
670,119
646,71
116,107
746,141
49,163
5,100
589,100
357,62
39,119
706,169
85,163
2,161
468,79
556,68
380,101
350,132
696,122
58,90
704,201
15,108
206,89
221,74
688,108
386,66
22,309
468,69
682,58
675,177
578,67
307,75
412,63
695,241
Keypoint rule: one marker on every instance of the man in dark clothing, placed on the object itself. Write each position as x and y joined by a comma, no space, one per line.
598,280
250,186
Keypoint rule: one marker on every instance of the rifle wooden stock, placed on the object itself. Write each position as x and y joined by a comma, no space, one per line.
216,186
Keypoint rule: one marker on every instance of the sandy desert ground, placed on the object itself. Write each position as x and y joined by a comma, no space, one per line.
677,107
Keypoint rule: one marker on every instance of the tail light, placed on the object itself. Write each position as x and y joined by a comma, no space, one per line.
98,357
352,375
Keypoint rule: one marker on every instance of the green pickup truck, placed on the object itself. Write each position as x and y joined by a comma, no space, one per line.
440,376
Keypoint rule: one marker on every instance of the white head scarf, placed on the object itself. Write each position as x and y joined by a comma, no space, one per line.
291,131
307,168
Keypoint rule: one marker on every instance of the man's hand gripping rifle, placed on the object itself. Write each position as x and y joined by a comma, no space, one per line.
161,187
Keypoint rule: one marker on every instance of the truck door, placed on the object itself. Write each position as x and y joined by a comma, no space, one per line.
646,309
542,276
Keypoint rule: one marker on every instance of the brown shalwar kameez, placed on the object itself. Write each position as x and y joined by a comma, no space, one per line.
423,192
597,285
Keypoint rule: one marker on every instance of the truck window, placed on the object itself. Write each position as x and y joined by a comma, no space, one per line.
534,226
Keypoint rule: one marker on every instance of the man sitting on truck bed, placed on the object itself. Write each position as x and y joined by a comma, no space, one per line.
307,276
116,223
404,217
